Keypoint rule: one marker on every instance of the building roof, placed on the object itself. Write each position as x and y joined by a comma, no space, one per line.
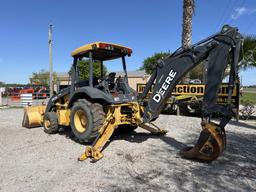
62,74
140,73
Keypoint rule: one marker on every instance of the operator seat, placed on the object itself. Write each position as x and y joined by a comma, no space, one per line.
85,83
111,80
122,85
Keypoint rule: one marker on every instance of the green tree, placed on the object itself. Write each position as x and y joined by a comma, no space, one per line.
41,77
149,64
83,67
248,56
197,72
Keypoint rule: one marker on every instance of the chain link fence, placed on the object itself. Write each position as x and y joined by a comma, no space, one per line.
10,101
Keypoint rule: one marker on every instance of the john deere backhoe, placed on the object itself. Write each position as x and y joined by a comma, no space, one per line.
94,108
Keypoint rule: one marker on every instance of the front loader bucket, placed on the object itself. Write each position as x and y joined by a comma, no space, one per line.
211,143
33,116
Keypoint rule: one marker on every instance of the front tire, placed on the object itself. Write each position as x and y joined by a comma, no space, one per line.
86,119
51,123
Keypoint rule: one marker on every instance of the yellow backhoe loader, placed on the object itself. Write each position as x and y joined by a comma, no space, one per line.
96,106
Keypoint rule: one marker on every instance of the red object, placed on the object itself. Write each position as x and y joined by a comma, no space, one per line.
111,47
30,90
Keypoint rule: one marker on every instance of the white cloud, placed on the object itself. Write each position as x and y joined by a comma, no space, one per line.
240,11
251,11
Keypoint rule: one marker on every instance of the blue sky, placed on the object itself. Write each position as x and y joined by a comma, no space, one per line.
147,26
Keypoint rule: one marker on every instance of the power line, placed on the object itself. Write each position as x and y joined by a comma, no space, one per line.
223,14
226,17
241,5
227,13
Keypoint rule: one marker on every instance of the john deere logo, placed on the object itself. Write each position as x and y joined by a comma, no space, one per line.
161,92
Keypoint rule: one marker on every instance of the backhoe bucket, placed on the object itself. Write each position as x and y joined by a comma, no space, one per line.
33,116
211,143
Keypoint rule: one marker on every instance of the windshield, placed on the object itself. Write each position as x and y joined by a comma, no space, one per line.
100,70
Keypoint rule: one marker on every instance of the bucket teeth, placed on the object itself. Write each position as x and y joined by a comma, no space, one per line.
210,144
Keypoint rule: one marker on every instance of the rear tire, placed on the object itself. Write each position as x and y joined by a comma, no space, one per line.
51,123
86,119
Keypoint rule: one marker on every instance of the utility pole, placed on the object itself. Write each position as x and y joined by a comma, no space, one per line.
1,103
50,60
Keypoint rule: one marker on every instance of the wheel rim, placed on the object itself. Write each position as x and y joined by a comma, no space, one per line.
80,121
47,124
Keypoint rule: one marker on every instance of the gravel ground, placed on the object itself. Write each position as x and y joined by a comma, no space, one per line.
31,160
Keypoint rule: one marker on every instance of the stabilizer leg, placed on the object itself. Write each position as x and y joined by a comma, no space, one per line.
210,145
153,129
94,151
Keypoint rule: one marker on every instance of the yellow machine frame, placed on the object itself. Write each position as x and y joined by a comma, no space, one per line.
114,118
33,116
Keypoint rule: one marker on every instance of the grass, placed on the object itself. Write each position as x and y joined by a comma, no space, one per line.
249,89
248,98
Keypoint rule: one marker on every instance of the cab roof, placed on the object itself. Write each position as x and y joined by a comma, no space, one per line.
102,51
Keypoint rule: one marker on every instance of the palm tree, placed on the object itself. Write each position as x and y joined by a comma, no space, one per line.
248,57
188,11
186,41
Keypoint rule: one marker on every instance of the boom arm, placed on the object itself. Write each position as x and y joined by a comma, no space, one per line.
219,50
169,71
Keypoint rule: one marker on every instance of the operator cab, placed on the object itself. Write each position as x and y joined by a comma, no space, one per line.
94,55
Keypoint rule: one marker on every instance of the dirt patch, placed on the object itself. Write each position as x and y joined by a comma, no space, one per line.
31,160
